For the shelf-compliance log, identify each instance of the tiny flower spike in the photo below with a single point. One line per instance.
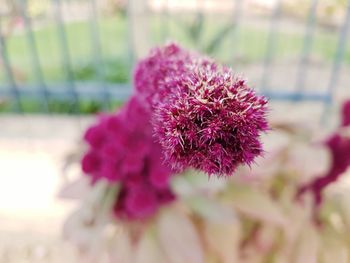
(122, 150)
(211, 120)
(346, 114)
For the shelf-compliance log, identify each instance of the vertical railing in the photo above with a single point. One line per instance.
(130, 38)
(65, 54)
(165, 21)
(271, 46)
(13, 88)
(97, 53)
(44, 92)
(237, 14)
(33, 50)
(338, 59)
(339, 55)
(306, 50)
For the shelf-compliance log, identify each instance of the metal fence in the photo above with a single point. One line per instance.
(42, 90)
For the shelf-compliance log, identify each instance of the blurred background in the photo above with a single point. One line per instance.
(63, 60)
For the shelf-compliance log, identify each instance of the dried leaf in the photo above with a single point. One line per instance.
(256, 204)
(120, 248)
(148, 250)
(211, 210)
(85, 225)
(308, 161)
(223, 239)
(81, 229)
(334, 251)
(179, 239)
(307, 246)
(77, 189)
(193, 183)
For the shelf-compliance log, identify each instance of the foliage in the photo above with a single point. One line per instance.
(252, 217)
(59, 106)
(195, 31)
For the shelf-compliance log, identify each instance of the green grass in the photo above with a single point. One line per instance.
(59, 106)
(249, 44)
(112, 32)
(247, 47)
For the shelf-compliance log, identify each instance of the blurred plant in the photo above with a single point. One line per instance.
(203, 115)
(59, 106)
(254, 216)
(12, 20)
(195, 33)
(36, 8)
(329, 13)
(122, 151)
(116, 71)
(338, 145)
(114, 6)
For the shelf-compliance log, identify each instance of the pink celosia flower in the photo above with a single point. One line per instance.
(122, 149)
(151, 72)
(141, 202)
(211, 121)
(204, 116)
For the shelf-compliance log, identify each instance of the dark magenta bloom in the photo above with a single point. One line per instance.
(339, 147)
(203, 116)
(122, 150)
(211, 120)
(141, 202)
(346, 114)
(151, 73)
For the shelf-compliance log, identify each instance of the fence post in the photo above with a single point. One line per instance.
(139, 28)
(341, 46)
(9, 73)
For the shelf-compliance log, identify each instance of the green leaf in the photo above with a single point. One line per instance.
(196, 28)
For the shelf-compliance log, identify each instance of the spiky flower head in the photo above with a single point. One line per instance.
(122, 150)
(211, 120)
(152, 72)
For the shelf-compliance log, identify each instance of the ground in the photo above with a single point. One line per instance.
(32, 150)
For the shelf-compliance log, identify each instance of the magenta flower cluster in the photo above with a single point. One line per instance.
(187, 112)
(122, 150)
(339, 147)
(206, 117)
(152, 73)
(346, 114)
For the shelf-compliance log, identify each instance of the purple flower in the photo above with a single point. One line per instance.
(152, 72)
(211, 120)
(346, 114)
(141, 202)
(339, 147)
(122, 150)
(203, 116)
(90, 163)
